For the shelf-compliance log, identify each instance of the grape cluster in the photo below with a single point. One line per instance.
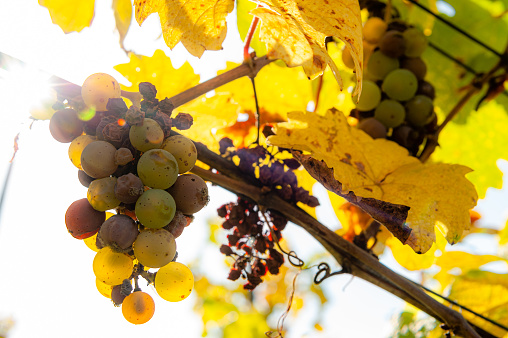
(253, 241)
(253, 231)
(396, 101)
(130, 163)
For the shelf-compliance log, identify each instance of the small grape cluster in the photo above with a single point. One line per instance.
(254, 231)
(253, 240)
(130, 164)
(396, 101)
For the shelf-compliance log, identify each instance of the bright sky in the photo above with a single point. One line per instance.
(47, 285)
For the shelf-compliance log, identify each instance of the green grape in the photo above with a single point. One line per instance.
(184, 151)
(101, 194)
(390, 113)
(416, 42)
(370, 97)
(111, 267)
(419, 110)
(98, 159)
(380, 65)
(158, 168)
(147, 136)
(374, 29)
(98, 89)
(76, 148)
(155, 208)
(372, 127)
(392, 44)
(154, 248)
(400, 85)
(174, 282)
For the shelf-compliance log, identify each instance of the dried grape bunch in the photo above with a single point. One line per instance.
(252, 241)
(254, 232)
(131, 165)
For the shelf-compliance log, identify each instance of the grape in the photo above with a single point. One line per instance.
(347, 58)
(380, 65)
(371, 95)
(103, 288)
(177, 225)
(184, 151)
(111, 267)
(116, 295)
(419, 110)
(393, 44)
(147, 136)
(123, 156)
(400, 85)
(98, 89)
(128, 188)
(119, 232)
(390, 113)
(138, 307)
(157, 168)
(174, 282)
(190, 193)
(154, 247)
(415, 65)
(416, 42)
(406, 137)
(373, 127)
(84, 179)
(155, 208)
(98, 159)
(82, 220)
(91, 243)
(65, 125)
(374, 29)
(76, 148)
(427, 89)
(101, 194)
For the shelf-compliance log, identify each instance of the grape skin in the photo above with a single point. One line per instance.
(158, 168)
(101, 194)
(154, 248)
(174, 282)
(370, 98)
(98, 88)
(390, 113)
(82, 220)
(138, 307)
(400, 84)
(155, 208)
(112, 268)
(190, 193)
(147, 136)
(98, 159)
(184, 151)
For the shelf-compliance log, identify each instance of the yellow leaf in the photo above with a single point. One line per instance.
(199, 24)
(159, 71)
(437, 194)
(71, 17)
(295, 32)
(123, 16)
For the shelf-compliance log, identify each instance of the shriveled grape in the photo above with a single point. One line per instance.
(177, 225)
(154, 248)
(128, 188)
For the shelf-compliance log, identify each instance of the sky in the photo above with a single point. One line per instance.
(47, 285)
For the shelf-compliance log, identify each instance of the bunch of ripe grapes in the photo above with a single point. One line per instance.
(131, 165)
(396, 101)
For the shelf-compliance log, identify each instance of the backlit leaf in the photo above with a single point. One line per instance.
(159, 71)
(295, 32)
(199, 24)
(437, 194)
(244, 20)
(70, 17)
(123, 16)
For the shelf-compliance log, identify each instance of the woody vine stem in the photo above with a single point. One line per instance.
(358, 262)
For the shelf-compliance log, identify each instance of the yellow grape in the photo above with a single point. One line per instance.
(147, 136)
(98, 89)
(98, 159)
(374, 29)
(154, 247)
(174, 282)
(76, 148)
(112, 268)
(103, 288)
(138, 307)
(101, 194)
(184, 151)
